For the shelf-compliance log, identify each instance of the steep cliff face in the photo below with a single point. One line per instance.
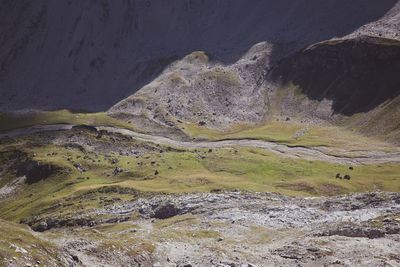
(91, 54)
(352, 81)
(355, 75)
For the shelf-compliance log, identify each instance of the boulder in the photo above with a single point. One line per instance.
(117, 170)
(165, 211)
(40, 227)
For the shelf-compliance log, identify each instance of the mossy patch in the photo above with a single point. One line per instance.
(11, 121)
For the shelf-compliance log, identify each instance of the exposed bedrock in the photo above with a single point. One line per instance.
(353, 81)
(357, 75)
(336, 80)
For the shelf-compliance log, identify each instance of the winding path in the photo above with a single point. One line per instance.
(307, 153)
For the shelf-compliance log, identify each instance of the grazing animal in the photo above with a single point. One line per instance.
(347, 177)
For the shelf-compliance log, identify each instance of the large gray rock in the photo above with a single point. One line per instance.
(165, 211)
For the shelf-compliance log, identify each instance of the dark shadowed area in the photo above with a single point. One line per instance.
(356, 74)
(90, 54)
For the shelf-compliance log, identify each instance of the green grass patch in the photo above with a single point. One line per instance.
(293, 134)
(11, 121)
(241, 168)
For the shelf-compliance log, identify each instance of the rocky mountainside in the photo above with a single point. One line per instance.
(89, 55)
(350, 81)
(336, 80)
(200, 133)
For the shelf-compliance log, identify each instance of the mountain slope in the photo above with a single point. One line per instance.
(352, 82)
(91, 54)
(199, 91)
(336, 80)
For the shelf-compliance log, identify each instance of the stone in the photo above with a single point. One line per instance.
(117, 170)
(41, 227)
(114, 161)
(351, 231)
(77, 165)
(165, 211)
(228, 263)
(75, 258)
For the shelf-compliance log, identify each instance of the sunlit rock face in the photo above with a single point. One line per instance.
(89, 55)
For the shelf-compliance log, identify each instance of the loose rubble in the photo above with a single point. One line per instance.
(253, 229)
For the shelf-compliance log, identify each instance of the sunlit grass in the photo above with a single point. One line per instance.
(223, 169)
(11, 121)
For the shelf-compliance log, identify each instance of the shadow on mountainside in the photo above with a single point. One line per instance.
(357, 74)
(91, 54)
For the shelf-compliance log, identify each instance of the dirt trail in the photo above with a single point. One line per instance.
(373, 157)
(307, 153)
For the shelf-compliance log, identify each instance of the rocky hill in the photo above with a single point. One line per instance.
(350, 81)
